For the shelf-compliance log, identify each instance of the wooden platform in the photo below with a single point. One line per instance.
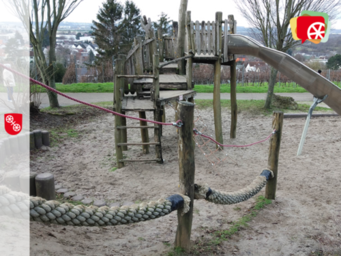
(174, 95)
(133, 103)
(167, 81)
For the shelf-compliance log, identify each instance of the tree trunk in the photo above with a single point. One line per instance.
(53, 97)
(272, 83)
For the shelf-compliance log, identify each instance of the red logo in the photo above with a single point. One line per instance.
(310, 27)
(13, 123)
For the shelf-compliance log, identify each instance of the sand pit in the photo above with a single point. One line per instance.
(304, 219)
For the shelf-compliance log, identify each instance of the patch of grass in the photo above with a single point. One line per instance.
(60, 198)
(113, 169)
(255, 88)
(224, 88)
(83, 87)
(205, 247)
(72, 133)
(166, 243)
(237, 209)
(253, 106)
(176, 251)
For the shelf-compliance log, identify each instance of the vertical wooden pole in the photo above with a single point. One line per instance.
(233, 87)
(144, 132)
(124, 87)
(157, 107)
(176, 117)
(118, 108)
(233, 100)
(186, 173)
(159, 33)
(216, 91)
(189, 64)
(181, 36)
(275, 143)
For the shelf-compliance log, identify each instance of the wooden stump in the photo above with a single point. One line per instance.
(38, 139)
(275, 143)
(32, 144)
(186, 173)
(33, 191)
(46, 138)
(45, 186)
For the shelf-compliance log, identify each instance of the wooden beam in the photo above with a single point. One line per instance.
(275, 143)
(189, 64)
(118, 108)
(181, 35)
(233, 96)
(216, 103)
(186, 173)
(159, 33)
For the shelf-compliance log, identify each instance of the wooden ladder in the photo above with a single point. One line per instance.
(121, 128)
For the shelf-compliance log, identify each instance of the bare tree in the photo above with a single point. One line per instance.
(270, 20)
(45, 15)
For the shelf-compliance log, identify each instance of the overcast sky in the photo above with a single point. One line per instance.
(201, 10)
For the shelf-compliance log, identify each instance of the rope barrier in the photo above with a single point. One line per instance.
(16, 204)
(218, 197)
(177, 123)
(196, 132)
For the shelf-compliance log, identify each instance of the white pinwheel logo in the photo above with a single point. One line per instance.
(316, 30)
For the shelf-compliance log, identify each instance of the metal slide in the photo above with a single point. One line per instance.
(309, 79)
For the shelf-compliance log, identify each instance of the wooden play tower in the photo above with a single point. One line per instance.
(159, 70)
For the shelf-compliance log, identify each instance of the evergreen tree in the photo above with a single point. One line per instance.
(78, 36)
(115, 29)
(164, 23)
(131, 24)
(334, 62)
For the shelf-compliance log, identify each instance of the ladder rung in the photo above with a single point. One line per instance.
(137, 127)
(138, 144)
(141, 160)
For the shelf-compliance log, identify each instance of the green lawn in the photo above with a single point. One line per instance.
(247, 88)
(254, 106)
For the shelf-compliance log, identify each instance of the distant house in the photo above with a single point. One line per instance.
(86, 38)
(254, 66)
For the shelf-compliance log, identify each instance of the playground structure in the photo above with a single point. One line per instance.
(207, 46)
(155, 83)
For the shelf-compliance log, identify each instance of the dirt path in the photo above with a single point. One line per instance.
(305, 218)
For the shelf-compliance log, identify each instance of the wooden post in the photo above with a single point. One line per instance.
(216, 91)
(32, 144)
(181, 36)
(118, 108)
(275, 143)
(124, 87)
(189, 64)
(176, 115)
(157, 107)
(160, 38)
(46, 138)
(186, 173)
(45, 186)
(233, 87)
(144, 132)
(38, 139)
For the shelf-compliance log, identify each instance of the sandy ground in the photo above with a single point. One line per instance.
(305, 217)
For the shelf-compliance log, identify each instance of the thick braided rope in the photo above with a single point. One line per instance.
(218, 197)
(13, 203)
(17, 204)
